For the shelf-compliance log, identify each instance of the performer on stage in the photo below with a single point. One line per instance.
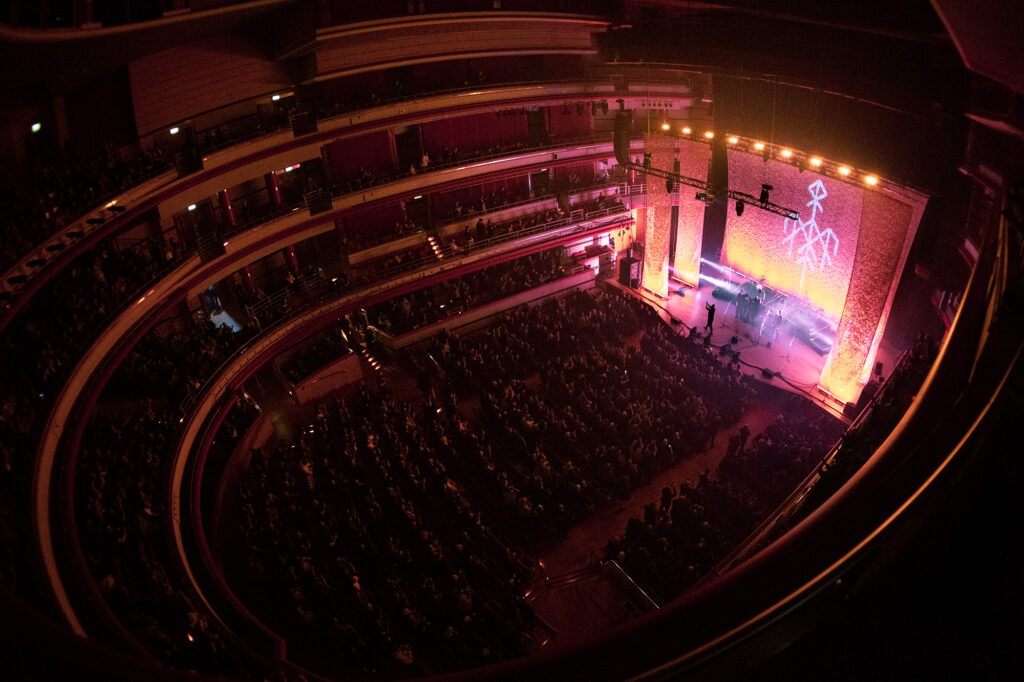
(710, 307)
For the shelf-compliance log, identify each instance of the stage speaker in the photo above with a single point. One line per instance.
(188, 161)
(629, 272)
(723, 294)
(623, 124)
(302, 122)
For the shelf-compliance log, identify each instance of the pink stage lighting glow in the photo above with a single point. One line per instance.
(843, 254)
(811, 258)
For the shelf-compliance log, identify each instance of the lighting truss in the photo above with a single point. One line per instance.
(712, 191)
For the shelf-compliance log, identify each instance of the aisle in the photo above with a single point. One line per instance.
(585, 543)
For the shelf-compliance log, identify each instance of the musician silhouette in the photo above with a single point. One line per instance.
(710, 307)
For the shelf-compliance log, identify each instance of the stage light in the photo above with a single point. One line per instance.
(814, 161)
(870, 180)
(759, 146)
(687, 130)
(740, 205)
(665, 125)
(765, 188)
(710, 134)
(733, 139)
(844, 170)
(785, 153)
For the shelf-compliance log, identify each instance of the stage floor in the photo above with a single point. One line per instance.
(786, 362)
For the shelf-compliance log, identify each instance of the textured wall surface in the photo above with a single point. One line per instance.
(843, 256)
(659, 215)
(694, 158)
(887, 228)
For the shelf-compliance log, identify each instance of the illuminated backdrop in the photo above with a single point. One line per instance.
(810, 258)
(694, 158)
(659, 215)
(843, 255)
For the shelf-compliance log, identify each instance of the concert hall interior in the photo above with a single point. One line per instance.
(511, 340)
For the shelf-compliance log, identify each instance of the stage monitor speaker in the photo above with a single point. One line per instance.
(623, 124)
(819, 345)
(629, 272)
(188, 161)
(723, 294)
(302, 122)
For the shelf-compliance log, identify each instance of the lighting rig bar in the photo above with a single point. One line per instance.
(710, 192)
(705, 191)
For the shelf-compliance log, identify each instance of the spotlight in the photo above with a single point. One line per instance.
(870, 180)
(785, 153)
(710, 134)
(759, 146)
(765, 188)
(740, 205)
(844, 170)
(733, 139)
(665, 125)
(701, 196)
(687, 130)
(814, 161)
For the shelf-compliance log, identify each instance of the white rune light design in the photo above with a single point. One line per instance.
(811, 236)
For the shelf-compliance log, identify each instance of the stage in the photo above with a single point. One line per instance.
(788, 358)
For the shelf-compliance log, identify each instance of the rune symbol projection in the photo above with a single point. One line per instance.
(814, 246)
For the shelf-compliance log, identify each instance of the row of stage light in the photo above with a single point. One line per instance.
(781, 153)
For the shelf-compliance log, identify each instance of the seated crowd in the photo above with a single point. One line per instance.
(432, 304)
(385, 531)
(581, 400)
(482, 230)
(692, 528)
(120, 487)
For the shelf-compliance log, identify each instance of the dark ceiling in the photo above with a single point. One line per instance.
(986, 33)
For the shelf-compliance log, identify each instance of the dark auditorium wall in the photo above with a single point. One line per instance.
(175, 84)
(472, 132)
(100, 115)
(371, 152)
(574, 120)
